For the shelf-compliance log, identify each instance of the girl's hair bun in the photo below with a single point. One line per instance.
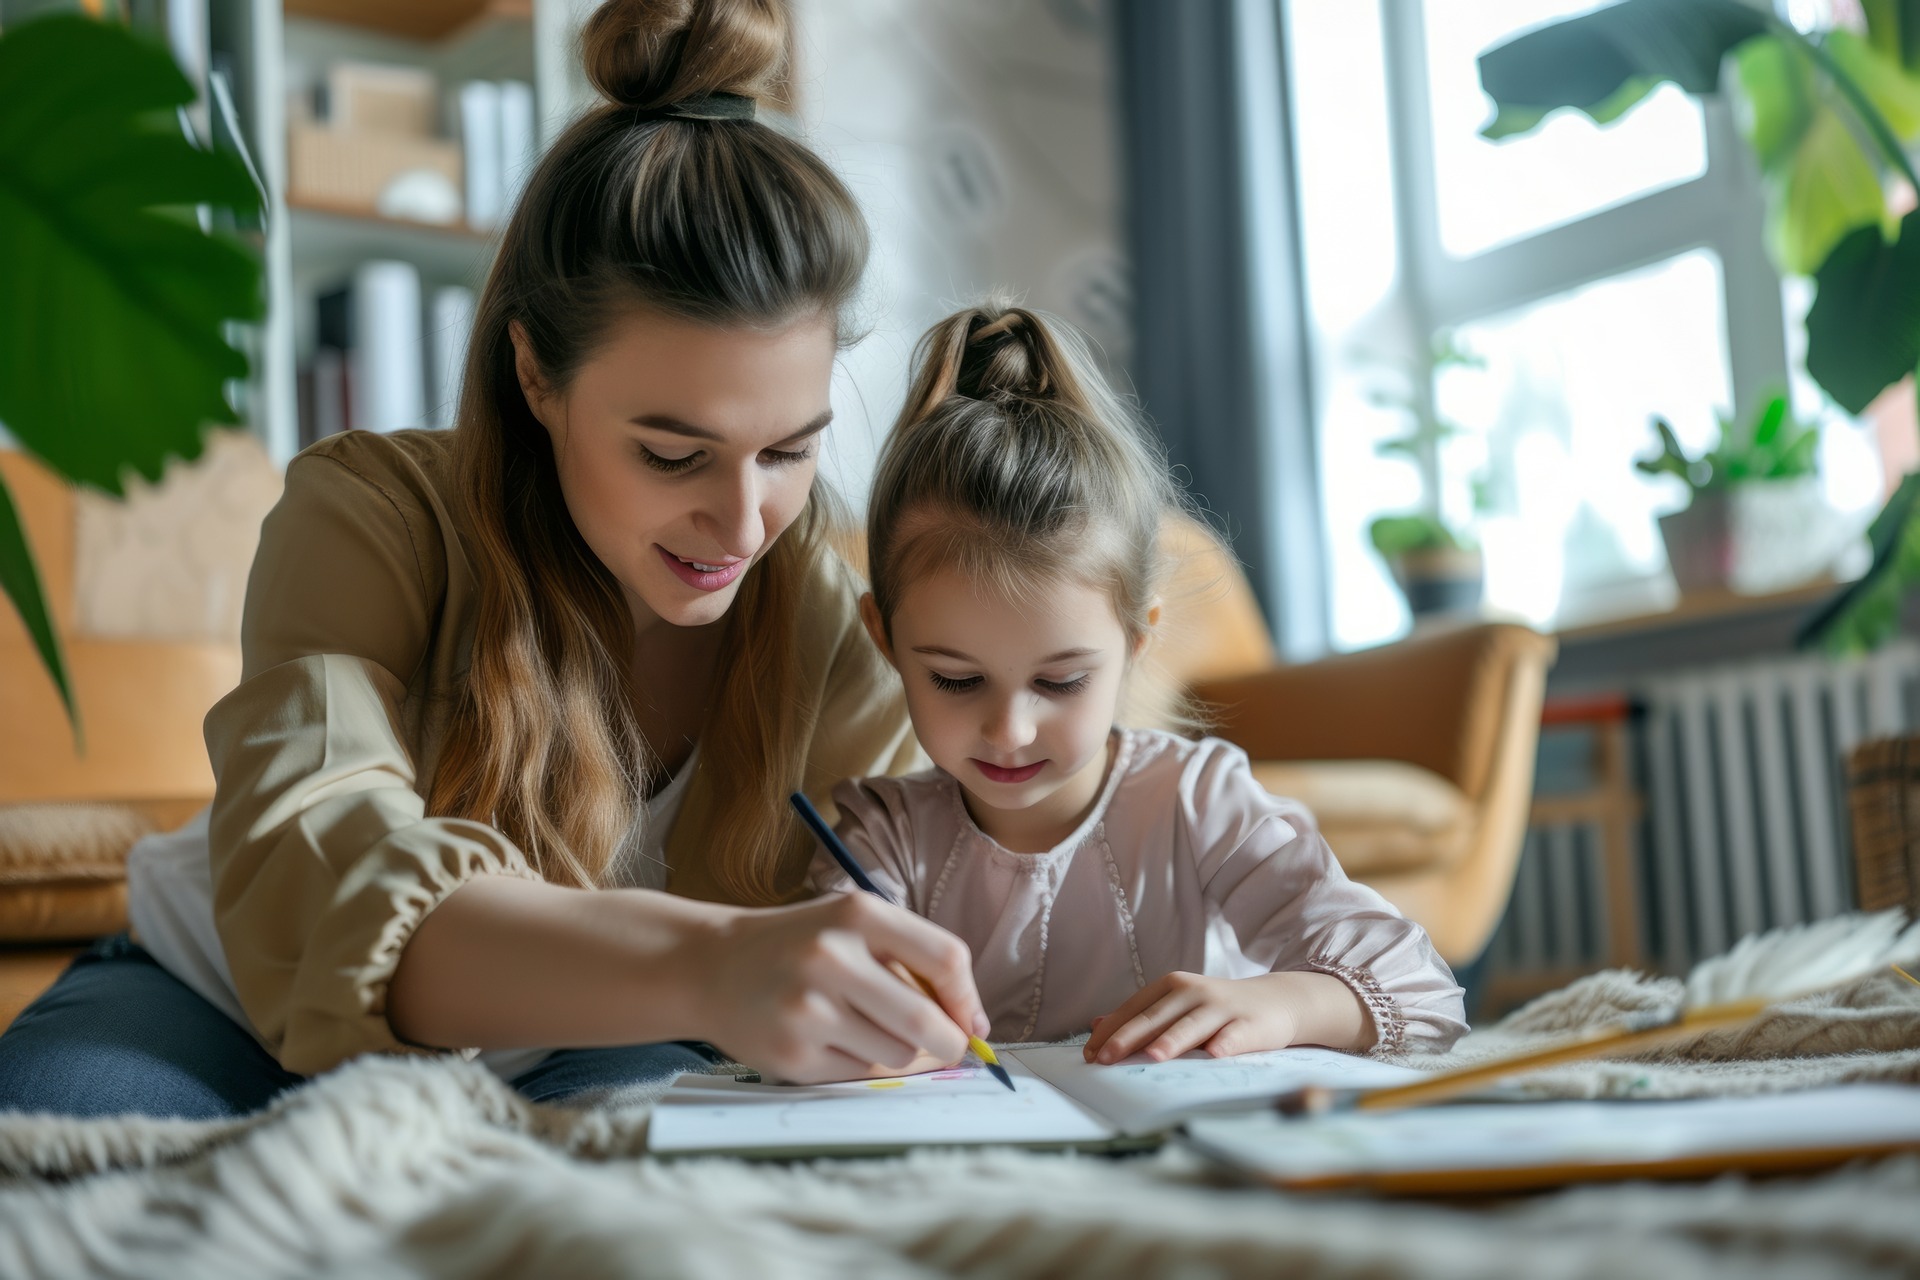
(1007, 356)
(651, 53)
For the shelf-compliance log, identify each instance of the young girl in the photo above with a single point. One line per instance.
(1131, 882)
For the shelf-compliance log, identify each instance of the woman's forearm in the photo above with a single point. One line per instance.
(806, 991)
(508, 963)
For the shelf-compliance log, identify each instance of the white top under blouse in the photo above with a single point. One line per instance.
(170, 905)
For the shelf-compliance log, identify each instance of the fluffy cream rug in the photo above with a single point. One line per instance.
(430, 1168)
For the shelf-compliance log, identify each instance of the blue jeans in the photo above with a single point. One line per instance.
(117, 1034)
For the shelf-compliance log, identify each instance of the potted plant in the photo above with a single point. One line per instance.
(1753, 521)
(1829, 114)
(116, 301)
(1438, 571)
(1437, 564)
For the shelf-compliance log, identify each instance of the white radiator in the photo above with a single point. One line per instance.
(1742, 768)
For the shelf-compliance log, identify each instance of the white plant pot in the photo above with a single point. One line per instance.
(1754, 538)
(1784, 534)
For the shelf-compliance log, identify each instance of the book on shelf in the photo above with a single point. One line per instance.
(389, 374)
(326, 396)
(387, 356)
(519, 141)
(480, 144)
(449, 324)
(499, 138)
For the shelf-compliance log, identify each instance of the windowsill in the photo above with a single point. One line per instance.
(1703, 606)
(1706, 629)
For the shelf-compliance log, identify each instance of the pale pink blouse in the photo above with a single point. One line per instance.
(1185, 863)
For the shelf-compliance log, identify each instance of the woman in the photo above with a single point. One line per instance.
(506, 685)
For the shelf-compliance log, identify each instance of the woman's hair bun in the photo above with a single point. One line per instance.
(650, 53)
(1007, 356)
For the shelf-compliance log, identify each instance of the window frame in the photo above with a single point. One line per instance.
(1722, 210)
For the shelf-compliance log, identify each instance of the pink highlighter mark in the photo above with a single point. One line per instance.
(963, 1073)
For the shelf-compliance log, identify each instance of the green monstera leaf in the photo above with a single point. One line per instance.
(1866, 614)
(114, 301)
(1823, 176)
(1893, 27)
(1863, 332)
(1604, 62)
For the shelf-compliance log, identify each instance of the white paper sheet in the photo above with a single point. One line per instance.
(1526, 1135)
(962, 1106)
(1142, 1096)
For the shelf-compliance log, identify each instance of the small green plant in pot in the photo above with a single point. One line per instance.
(1438, 570)
(1755, 519)
(1436, 564)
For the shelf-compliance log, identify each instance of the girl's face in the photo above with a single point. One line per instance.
(684, 451)
(1015, 699)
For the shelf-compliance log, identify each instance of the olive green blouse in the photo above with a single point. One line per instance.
(358, 628)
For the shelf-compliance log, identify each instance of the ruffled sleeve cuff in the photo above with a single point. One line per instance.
(1389, 1024)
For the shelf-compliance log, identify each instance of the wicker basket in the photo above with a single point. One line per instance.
(1883, 794)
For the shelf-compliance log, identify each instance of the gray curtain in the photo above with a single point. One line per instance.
(1220, 358)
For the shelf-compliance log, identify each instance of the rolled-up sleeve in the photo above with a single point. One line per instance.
(323, 858)
(1268, 874)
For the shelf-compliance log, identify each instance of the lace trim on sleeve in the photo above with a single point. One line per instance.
(1390, 1027)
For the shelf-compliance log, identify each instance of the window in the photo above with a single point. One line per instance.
(1599, 276)
(1567, 388)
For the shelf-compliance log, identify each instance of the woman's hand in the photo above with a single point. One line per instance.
(1224, 1016)
(804, 992)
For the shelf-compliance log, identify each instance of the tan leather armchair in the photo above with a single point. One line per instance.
(1416, 757)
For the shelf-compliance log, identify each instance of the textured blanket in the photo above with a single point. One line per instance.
(420, 1167)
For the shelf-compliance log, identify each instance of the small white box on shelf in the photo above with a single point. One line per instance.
(379, 97)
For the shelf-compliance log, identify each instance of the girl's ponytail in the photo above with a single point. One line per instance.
(1000, 353)
(1015, 462)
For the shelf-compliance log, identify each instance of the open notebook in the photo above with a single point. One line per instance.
(1058, 1101)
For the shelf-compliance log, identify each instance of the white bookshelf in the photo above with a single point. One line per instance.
(275, 50)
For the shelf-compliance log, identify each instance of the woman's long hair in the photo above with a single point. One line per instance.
(719, 221)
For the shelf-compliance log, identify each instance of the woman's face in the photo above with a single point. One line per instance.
(685, 450)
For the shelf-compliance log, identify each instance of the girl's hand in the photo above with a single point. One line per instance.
(804, 993)
(1224, 1016)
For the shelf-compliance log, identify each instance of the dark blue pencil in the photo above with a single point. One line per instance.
(818, 825)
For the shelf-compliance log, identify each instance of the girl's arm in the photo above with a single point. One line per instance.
(802, 992)
(1346, 970)
(1184, 1011)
